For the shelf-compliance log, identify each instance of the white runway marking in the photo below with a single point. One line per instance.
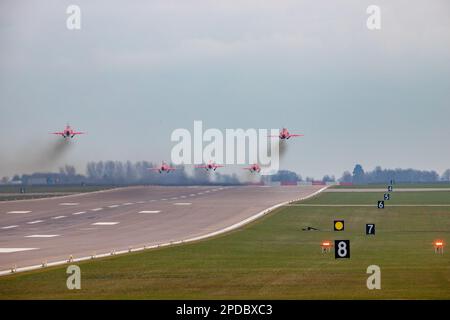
(113, 206)
(140, 202)
(9, 227)
(174, 198)
(153, 200)
(150, 211)
(163, 199)
(20, 211)
(42, 236)
(127, 203)
(192, 195)
(77, 213)
(58, 217)
(104, 223)
(34, 222)
(69, 204)
(207, 191)
(182, 197)
(97, 209)
(200, 193)
(10, 250)
(182, 203)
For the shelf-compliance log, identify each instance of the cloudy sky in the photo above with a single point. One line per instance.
(137, 70)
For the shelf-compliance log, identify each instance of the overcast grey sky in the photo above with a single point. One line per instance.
(137, 70)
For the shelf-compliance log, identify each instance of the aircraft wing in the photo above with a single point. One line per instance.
(75, 133)
(60, 133)
(201, 166)
(296, 135)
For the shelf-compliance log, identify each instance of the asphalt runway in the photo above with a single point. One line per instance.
(52, 229)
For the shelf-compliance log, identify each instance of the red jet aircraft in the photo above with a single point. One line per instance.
(253, 168)
(68, 132)
(210, 166)
(163, 168)
(284, 134)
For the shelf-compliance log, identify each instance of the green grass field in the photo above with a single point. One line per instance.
(274, 259)
(400, 185)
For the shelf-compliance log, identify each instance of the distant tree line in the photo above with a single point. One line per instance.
(125, 173)
(379, 175)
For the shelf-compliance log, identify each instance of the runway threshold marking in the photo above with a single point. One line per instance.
(69, 204)
(11, 250)
(34, 222)
(9, 227)
(20, 211)
(42, 236)
(104, 223)
(150, 211)
(77, 213)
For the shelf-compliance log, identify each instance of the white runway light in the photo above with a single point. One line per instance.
(19, 211)
(11, 250)
(104, 223)
(42, 236)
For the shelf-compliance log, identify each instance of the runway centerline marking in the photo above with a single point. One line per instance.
(36, 221)
(182, 203)
(20, 211)
(42, 236)
(163, 199)
(69, 204)
(127, 203)
(58, 217)
(97, 209)
(113, 206)
(77, 213)
(140, 202)
(150, 211)
(104, 223)
(9, 227)
(11, 250)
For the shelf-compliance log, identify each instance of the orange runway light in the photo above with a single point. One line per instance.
(439, 246)
(326, 246)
